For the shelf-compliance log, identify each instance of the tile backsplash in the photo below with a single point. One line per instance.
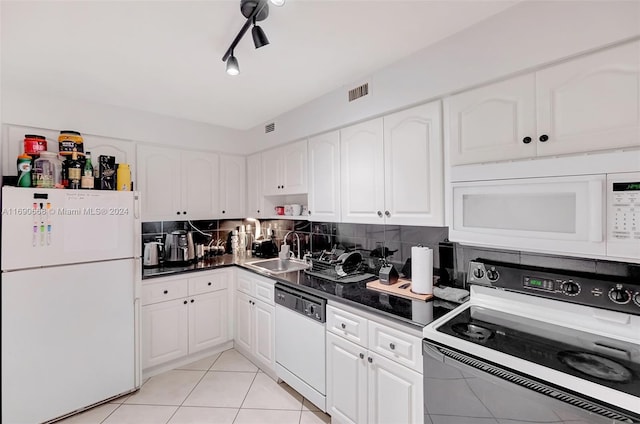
(316, 236)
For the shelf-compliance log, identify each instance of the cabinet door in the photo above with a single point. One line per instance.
(491, 123)
(362, 173)
(255, 201)
(347, 381)
(294, 168)
(272, 172)
(200, 195)
(232, 187)
(324, 177)
(264, 321)
(395, 393)
(207, 320)
(159, 181)
(244, 322)
(591, 103)
(164, 332)
(414, 186)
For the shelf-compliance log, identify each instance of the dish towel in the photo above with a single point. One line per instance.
(451, 294)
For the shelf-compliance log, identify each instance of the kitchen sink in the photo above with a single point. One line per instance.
(279, 266)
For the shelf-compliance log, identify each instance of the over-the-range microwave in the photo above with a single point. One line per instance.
(573, 212)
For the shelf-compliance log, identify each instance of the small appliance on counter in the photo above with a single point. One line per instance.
(179, 247)
(264, 248)
(152, 254)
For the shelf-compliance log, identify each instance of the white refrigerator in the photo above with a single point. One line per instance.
(70, 300)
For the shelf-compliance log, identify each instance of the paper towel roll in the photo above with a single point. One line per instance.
(421, 270)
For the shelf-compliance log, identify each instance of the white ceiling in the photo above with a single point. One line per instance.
(165, 56)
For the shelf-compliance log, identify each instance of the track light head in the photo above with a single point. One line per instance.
(232, 65)
(259, 37)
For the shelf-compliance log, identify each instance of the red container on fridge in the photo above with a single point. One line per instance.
(34, 144)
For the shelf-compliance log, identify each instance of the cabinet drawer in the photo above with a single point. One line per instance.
(208, 283)
(245, 284)
(347, 325)
(163, 291)
(396, 345)
(264, 291)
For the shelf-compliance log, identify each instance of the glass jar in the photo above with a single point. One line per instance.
(47, 170)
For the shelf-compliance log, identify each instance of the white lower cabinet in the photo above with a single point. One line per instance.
(255, 318)
(183, 316)
(364, 386)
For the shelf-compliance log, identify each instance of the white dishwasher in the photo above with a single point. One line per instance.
(300, 342)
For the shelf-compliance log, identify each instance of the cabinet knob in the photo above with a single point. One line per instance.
(392, 346)
(526, 140)
(343, 325)
(370, 359)
(258, 211)
(185, 302)
(224, 211)
(387, 214)
(380, 214)
(166, 291)
(184, 212)
(178, 213)
(544, 138)
(192, 300)
(362, 356)
(209, 283)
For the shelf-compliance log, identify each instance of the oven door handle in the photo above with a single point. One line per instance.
(507, 379)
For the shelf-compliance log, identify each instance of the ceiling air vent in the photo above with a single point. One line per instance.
(270, 127)
(359, 91)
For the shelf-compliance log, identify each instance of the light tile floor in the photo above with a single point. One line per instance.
(225, 388)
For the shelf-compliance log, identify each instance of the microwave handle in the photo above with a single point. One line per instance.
(596, 208)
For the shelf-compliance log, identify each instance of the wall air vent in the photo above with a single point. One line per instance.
(270, 127)
(359, 91)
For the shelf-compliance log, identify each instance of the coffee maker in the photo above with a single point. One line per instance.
(179, 247)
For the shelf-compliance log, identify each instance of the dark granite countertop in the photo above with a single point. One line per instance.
(416, 313)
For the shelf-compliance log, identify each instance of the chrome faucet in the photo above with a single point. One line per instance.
(284, 241)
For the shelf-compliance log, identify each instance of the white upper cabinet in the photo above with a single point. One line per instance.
(255, 201)
(284, 169)
(392, 169)
(587, 104)
(177, 184)
(413, 168)
(362, 172)
(232, 186)
(492, 123)
(591, 103)
(324, 177)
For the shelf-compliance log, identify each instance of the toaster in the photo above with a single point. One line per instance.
(265, 248)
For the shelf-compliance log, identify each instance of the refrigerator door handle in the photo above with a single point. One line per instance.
(136, 205)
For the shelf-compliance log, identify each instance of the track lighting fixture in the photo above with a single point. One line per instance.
(253, 10)
(232, 65)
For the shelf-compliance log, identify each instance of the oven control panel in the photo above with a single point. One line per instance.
(585, 289)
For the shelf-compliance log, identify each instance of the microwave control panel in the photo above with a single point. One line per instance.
(623, 215)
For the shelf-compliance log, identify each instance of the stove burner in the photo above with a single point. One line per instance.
(472, 331)
(595, 366)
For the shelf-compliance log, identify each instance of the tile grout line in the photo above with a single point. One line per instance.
(245, 397)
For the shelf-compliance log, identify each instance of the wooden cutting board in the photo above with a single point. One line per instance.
(396, 290)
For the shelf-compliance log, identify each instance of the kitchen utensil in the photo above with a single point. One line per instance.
(404, 286)
(179, 247)
(152, 254)
(279, 210)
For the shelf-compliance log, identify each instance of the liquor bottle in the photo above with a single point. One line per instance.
(74, 170)
(87, 173)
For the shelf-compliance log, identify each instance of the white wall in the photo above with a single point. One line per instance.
(521, 38)
(35, 110)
